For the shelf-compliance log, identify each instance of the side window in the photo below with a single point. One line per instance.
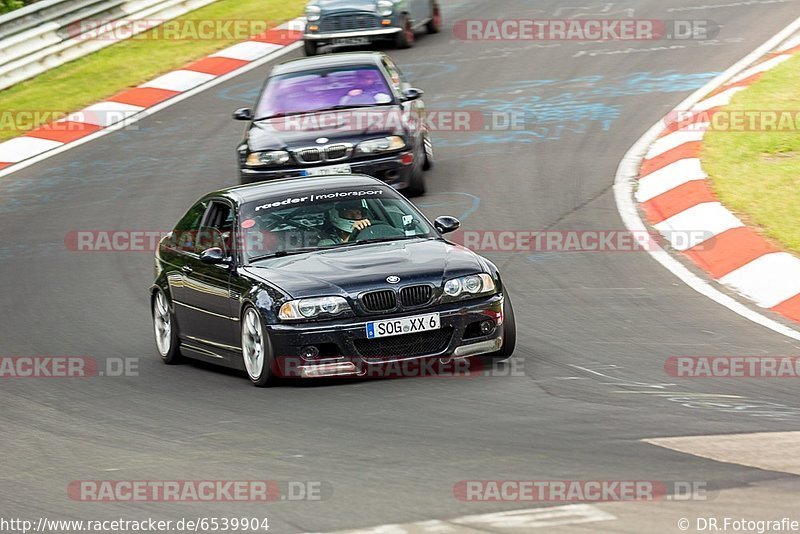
(185, 233)
(217, 227)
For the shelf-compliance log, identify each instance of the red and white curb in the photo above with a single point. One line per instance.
(663, 175)
(134, 104)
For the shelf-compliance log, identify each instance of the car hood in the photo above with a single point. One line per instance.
(353, 270)
(345, 125)
(348, 5)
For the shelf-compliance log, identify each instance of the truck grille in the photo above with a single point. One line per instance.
(350, 22)
(413, 296)
(405, 345)
(379, 301)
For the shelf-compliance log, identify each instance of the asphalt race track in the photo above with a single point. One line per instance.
(594, 329)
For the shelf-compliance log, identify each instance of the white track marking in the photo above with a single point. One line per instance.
(515, 521)
(756, 280)
(721, 99)
(669, 177)
(104, 113)
(761, 67)
(247, 51)
(179, 80)
(676, 139)
(710, 218)
(20, 148)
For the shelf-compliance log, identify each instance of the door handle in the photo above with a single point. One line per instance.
(187, 269)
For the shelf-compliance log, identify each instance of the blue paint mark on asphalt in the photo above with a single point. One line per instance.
(579, 104)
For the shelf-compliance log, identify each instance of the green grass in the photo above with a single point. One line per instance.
(757, 174)
(129, 63)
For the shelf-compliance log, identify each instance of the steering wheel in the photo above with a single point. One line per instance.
(377, 230)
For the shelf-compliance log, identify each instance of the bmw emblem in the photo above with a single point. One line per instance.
(393, 279)
(322, 140)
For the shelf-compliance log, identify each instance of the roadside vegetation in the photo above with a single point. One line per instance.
(129, 63)
(756, 174)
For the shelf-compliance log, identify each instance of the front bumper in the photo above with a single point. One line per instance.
(380, 33)
(390, 169)
(342, 342)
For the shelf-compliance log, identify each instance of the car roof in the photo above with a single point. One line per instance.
(313, 184)
(328, 60)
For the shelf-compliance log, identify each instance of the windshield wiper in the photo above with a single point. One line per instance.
(290, 252)
(383, 240)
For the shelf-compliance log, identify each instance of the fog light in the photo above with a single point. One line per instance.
(310, 352)
(386, 22)
(487, 327)
(313, 27)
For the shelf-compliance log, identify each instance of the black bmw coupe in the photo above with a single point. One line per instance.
(322, 276)
(337, 114)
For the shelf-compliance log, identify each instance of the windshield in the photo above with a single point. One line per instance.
(304, 92)
(328, 219)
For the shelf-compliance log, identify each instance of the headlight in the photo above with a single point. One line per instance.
(313, 12)
(474, 284)
(384, 144)
(385, 7)
(262, 159)
(312, 308)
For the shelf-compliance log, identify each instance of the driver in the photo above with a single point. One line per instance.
(347, 218)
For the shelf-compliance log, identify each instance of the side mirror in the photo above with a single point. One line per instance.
(243, 114)
(412, 93)
(213, 256)
(446, 224)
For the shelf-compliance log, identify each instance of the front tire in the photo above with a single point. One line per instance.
(435, 24)
(165, 329)
(405, 38)
(256, 349)
(509, 334)
(310, 48)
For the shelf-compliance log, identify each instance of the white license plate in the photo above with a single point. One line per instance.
(333, 169)
(404, 325)
(351, 41)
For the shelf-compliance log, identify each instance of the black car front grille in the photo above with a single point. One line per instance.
(413, 296)
(405, 345)
(309, 155)
(334, 152)
(379, 301)
(344, 23)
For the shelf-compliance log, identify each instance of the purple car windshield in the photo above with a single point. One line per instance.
(324, 89)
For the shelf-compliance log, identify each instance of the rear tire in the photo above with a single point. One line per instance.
(310, 48)
(435, 24)
(165, 329)
(509, 334)
(405, 38)
(256, 349)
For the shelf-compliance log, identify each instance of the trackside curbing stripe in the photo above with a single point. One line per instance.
(765, 291)
(136, 103)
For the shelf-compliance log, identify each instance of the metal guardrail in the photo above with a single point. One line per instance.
(46, 34)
